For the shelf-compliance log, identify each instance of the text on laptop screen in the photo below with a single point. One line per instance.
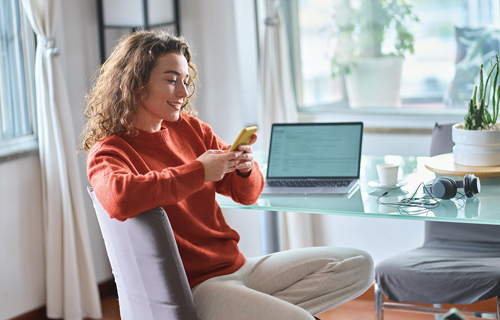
(315, 151)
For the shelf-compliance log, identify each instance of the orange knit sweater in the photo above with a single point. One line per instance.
(130, 175)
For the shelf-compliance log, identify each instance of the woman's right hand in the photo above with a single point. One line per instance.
(217, 163)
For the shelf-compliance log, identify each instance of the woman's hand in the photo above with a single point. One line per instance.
(217, 163)
(245, 163)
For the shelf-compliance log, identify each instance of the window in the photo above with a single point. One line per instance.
(450, 40)
(17, 43)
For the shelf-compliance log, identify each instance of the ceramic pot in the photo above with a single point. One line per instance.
(375, 82)
(476, 147)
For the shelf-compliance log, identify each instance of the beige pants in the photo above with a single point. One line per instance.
(288, 285)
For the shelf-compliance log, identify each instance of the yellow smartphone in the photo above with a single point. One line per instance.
(243, 138)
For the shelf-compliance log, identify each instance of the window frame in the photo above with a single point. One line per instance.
(15, 147)
(379, 117)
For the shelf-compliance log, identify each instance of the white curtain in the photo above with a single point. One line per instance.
(278, 105)
(278, 102)
(71, 287)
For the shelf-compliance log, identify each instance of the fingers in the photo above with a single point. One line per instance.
(226, 155)
(228, 160)
(245, 148)
(232, 165)
(217, 163)
(244, 166)
(253, 140)
(245, 162)
(245, 157)
(216, 151)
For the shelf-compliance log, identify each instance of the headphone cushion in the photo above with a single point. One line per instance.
(471, 185)
(467, 185)
(444, 188)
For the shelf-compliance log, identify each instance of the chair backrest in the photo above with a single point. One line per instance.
(441, 141)
(148, 271)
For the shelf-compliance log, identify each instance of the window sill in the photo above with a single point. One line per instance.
(15, 148)
(386, 120)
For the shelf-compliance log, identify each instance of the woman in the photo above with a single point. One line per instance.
(146, 149)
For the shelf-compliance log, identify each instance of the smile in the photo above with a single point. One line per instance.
(177, 105)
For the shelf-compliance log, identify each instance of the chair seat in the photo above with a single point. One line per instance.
(442, 273)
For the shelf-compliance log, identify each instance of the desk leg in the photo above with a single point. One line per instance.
(269, 232)
(437, 316)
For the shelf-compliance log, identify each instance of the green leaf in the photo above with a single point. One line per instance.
(481, 85)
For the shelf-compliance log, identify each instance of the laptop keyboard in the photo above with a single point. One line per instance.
(310, 183)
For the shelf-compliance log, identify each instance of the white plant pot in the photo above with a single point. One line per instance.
(476, 147)
(375, 82)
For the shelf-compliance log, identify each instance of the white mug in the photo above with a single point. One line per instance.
(387, 174)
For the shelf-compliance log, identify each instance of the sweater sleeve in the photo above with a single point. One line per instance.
(244, 190)
(125, 192)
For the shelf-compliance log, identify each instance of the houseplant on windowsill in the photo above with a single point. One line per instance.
(371, 38)
(477, 140)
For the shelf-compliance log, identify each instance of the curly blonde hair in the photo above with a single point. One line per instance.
(112, 102)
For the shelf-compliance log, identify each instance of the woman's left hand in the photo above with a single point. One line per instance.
(246, 158)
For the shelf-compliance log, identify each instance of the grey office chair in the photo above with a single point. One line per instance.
(148, 271)
(441, 141)
(457, 264)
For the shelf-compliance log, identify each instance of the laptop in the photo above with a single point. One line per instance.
(314, 158)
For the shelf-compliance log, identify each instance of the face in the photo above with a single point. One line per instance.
(165, 92)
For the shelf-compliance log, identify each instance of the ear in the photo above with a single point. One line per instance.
(140, 95)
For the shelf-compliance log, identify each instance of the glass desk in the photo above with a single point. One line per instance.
(362, 201)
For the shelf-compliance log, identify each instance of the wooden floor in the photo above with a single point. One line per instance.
(362, 309)
(357, 309)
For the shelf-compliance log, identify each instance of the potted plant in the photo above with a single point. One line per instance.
(477, 139)
(371, 39)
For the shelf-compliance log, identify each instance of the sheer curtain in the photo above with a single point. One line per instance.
(278, 102)
(278, 105)
(71, 286)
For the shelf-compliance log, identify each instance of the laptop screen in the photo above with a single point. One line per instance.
(315, 150)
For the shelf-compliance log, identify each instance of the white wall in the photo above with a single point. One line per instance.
(227, 99)
(212, 42)
(22, 283)
(225, 55)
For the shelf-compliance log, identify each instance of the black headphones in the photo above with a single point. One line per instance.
(446, 188)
